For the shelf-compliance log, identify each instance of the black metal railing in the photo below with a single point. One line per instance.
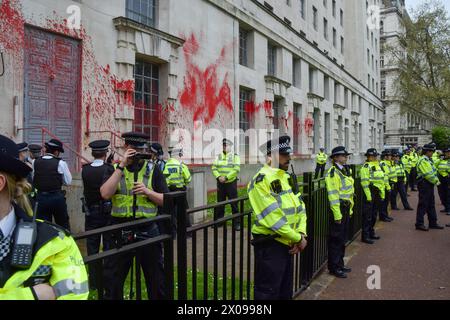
(214, 260)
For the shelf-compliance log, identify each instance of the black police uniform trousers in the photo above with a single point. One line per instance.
(338, 238)
(96, 217)
(319, 168)
(399, 189)
(444, 192)
(385, 202)
(273, 271)
(370, 212)
(150, 259)
(188, 220)
(413, 178)
(426, 203)
(53, 205)
(224, 191)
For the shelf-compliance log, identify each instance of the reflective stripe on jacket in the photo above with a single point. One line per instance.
(227, 165)
(339, 187)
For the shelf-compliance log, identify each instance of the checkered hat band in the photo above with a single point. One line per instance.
(279, 146)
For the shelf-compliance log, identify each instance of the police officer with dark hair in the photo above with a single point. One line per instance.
(136, 176)
(97, 210)
(50, 174)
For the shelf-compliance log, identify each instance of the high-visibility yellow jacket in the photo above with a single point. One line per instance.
(276, 209)
(122, 201)
(321, 158)
(177, 173)
(389, 173)
(414, 159)
(426, 170)
(436, 158)
(227, 165)
(371, 173)
(56, 261)
(407, 163)
(443, 167)
(400, 170)
(340, 186)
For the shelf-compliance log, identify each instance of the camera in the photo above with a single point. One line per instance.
(142, 156)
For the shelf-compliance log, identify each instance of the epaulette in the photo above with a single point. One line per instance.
(58, 228)
(260, 177)
(332, 172)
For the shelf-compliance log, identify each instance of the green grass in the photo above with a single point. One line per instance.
(200, 278)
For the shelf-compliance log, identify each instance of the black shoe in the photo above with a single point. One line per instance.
(436, 226)
(386, 220)
(421, 228)
(346, 269)
(413, 189)
(409, 209)
(448, 213)
(395, 209)
(368, 241)
(443, 210)
(375, 237)
(338, 273)
(448, 225)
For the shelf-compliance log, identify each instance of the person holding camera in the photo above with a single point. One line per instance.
(52, 267)
(97, 211)
(136, 176)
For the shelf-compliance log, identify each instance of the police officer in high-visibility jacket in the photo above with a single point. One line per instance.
(321, 161)
(279, 229)
(57, 270)
(149, 190)
(390, 178)
(413, 175)
(340, 188)
(407, 165)
(374, 185)
(399, 186)
(226, 169)
(177, 174)
(426, 180)
(443, 168)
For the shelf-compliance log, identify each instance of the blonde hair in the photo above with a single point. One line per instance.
(18, 188)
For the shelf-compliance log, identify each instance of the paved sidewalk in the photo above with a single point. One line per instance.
(414, 264)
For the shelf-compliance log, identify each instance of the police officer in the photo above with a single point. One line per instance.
(157, 152)
(426, 180)
(390, 178)
(97, 210)
(279, 229)
(399, 186)
(57, 270)
(50, 174)
(340, 188)
(149, 190)
(374, 185)
(177, 174)
(34, 153)
(443, 167)
(225, 169)
(407, 165)
(413, 175)
(321, 161)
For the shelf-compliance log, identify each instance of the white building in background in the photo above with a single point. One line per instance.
(401, 126)
(309, 68)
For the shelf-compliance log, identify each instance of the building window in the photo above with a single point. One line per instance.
(296, 72)
(334, 37)
(243, 47)
(371, 37)
(277, 113)
(368, 81)
(314, 18)
(376, 44)
(297, 127)
(383, 90)
(143, 11)
(376, 88)
(368, 57)
(381, 61)
(341, 17)
(288, 2)
(271, 59)
(367, 32)
(326, 87)
(146, 110)
(337, 93)
(334, 8)
(245, 98)
(373, 84)
(373, 63)
(302, 8)
(325, 28)
(325, 3)
(312, 79)
(342, 45)
(345, 98)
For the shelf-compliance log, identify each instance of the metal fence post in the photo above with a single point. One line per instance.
(180, 212)
(306, 261)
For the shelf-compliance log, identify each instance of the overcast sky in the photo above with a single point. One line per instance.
(414, 3)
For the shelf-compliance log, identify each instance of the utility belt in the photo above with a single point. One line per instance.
(103, 208)
(124, 237)
(46, 193)
(263, 239)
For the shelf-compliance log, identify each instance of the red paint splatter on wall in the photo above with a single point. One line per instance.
(309, 126)
(11, 25)
(297, 126)
(203, 92)
(124, 90)
(251, 109)
(286, 120)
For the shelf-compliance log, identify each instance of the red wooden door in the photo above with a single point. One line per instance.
(52, 92)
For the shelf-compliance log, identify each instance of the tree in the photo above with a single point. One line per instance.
(423, 58)
(441, 136)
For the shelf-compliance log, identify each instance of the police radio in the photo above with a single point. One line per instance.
(24, 239)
